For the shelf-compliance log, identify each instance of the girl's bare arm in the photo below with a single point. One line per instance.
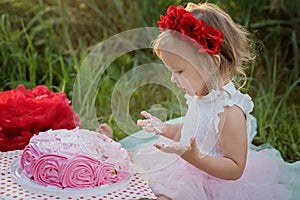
(172, 131)
(233, 140)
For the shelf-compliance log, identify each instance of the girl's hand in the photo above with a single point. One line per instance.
(105, 129)
(151, 123)
(188, 153)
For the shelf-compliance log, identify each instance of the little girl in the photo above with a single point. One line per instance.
(207, 156)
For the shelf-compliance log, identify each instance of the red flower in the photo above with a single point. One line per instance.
(191, 28)
(213, 40)
(26, 112)
(172, 19)
(179, 20)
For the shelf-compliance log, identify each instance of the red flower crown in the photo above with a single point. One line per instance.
(206, 38)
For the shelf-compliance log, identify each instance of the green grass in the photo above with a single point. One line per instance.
(45, 43)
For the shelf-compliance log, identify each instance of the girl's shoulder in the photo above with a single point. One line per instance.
(216, 101)
(235, 97)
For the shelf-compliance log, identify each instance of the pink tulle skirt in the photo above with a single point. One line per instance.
(266, 177)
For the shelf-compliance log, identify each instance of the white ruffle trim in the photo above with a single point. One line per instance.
(243, 101)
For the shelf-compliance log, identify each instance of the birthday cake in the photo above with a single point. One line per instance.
(75, 158)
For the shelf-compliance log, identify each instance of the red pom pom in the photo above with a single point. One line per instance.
(27, 112)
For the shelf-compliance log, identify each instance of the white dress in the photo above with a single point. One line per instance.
(266, 175)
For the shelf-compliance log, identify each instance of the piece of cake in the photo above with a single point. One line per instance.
(75, 158)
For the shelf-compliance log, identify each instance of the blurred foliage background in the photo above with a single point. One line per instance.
(44, 42)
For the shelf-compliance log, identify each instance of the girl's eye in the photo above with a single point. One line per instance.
(179, 72)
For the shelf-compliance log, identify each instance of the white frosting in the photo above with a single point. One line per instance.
(72, 142)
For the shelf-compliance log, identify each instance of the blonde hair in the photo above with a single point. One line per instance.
(236, 53)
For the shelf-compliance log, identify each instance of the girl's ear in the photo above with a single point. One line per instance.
(217, 60)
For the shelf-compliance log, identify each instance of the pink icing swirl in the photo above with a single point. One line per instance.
(28, 158)
(107, 174)
(79, 172)
(47, 169)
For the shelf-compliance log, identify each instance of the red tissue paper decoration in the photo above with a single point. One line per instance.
(25, 112)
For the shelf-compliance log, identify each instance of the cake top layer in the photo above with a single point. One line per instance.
(80, 141)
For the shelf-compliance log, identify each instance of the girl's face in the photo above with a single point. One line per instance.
(184, 74)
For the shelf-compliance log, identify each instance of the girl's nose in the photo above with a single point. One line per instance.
(173, 79)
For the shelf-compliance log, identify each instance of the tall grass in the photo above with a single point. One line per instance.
(44, 42)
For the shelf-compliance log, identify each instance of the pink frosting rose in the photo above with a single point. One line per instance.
(47, 169)
(106, 174)
(79, 172)
(29, 156)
